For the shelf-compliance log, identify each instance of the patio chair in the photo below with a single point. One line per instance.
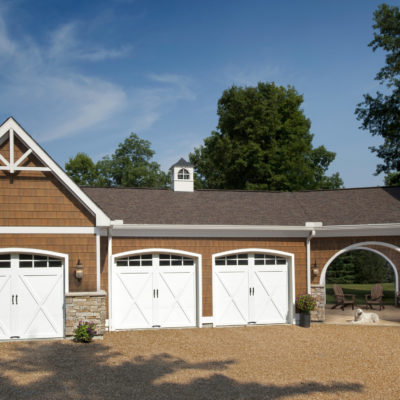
(376, 297)
(342, 299)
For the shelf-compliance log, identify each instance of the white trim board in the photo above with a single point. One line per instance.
(259, 231)
(10, 125)
(55, 230)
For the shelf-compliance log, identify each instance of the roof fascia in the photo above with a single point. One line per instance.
(169, 230)
(161, 230)
(101, 218)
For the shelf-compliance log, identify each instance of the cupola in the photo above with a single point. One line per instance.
(182, 176)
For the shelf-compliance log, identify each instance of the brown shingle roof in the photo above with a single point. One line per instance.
(227, 207)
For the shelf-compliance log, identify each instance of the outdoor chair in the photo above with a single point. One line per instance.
(342, 299)
(376, 297)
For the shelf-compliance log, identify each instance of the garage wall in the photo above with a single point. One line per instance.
(208, 247)
(81, 247)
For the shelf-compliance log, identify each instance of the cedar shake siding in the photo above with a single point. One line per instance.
(81, 247)
(34, 198)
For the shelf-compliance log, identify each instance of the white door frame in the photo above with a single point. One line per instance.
(199, 284)
(63, 256)
(291, 275)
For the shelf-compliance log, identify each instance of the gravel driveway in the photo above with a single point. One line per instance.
(264, 362)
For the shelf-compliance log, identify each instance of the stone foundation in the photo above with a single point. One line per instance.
(85, 306)
(318, 291)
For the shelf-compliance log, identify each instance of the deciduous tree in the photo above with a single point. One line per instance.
(262, 141)
(129, 165)
(380, 113)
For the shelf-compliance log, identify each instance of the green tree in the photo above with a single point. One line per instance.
(342, 269)
(360, 266)
(380, 114)
(82, 170)
(129, 165)
(262, 141)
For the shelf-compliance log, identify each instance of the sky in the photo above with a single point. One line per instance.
(80, 76)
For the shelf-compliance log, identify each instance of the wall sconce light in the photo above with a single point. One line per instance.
(315, 269)
(79, 270)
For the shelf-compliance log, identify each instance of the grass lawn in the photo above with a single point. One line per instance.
(360, 290)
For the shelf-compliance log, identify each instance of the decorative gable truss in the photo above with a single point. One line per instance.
(11, 165)
(13, 160)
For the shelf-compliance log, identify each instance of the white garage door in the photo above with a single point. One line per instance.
(31, 296)
(250, 288)
(153, 290)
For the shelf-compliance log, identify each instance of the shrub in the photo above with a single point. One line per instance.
(85, 332)
(305, 303)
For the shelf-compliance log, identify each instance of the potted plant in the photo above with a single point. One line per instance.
(305, 303)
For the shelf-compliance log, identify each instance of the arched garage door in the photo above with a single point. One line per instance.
(31, 296)
(153, 290)
(251, 288)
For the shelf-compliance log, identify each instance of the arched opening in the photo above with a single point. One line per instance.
(357, 270)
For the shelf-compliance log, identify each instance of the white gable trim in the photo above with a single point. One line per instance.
(14, 128)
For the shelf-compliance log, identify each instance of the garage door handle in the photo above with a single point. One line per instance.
(12, 299)
(16, 299)
(154, 293)
(157, 293)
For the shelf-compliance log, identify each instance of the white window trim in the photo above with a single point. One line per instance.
(291, 274)
(185, 174)
(199, 276)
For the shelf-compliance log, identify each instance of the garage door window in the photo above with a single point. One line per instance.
(267, 259)
(144, 260)
(170, 260)
(237, 259)
(5, 261)
(34, 261)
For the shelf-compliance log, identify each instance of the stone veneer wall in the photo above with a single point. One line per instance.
(318, 291)
(85, 306)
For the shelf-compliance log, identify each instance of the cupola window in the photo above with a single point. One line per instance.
(183, 174)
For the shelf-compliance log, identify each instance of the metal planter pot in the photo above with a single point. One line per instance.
(305, 320)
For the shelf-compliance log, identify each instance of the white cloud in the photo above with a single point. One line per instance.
(64, 45)
(37, 81)
(42, 82)
(150, 104)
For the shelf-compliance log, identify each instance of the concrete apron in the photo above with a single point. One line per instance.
(390, 316)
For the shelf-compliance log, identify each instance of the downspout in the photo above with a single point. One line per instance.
(98, 266)
(109, 271)
(308, 249)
